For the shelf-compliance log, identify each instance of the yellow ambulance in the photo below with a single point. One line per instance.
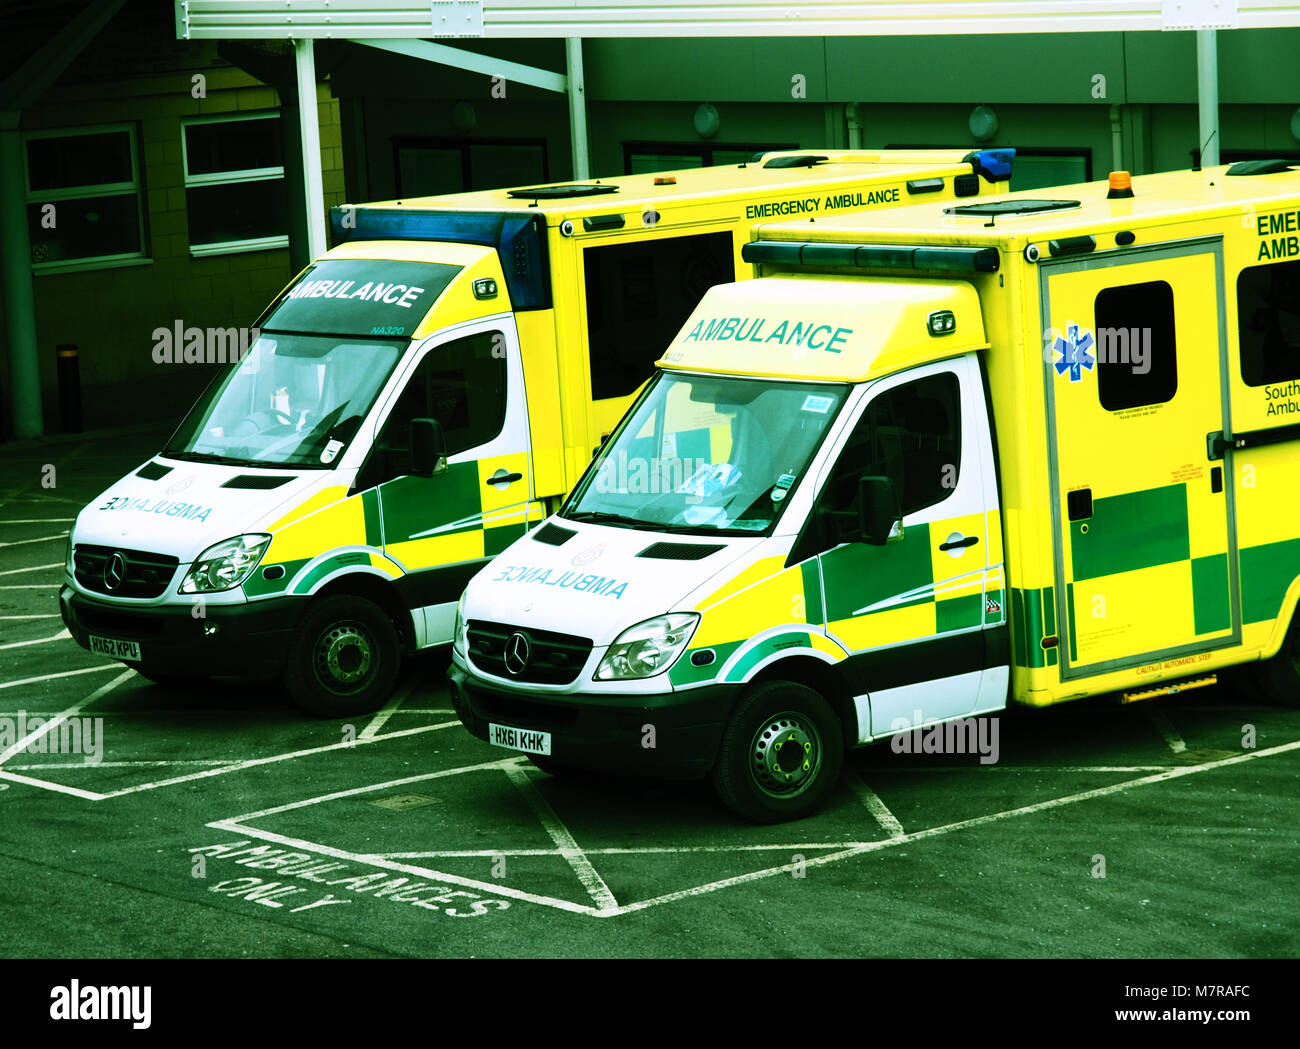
(1022, 449)
(413, 401)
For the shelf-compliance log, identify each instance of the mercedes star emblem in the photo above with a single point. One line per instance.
(517, 653)
(114, 570)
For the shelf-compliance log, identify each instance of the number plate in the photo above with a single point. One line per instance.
(525, 739)
(115, 649)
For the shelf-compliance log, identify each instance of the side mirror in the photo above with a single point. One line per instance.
(428, 448)
(880, 519)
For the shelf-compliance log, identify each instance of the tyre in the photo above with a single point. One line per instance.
(344, 657)
(1278, 679)
(781, 754)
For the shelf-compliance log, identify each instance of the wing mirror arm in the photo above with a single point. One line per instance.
(880, 518)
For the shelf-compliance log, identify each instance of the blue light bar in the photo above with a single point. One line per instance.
(520, 240)
(993, 164)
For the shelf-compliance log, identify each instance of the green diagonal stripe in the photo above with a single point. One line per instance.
(1131, 531)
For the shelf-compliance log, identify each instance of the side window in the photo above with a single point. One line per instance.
(638, 297)
(462, 384)
(1136, 352)
(912, 434)
(1268, 323)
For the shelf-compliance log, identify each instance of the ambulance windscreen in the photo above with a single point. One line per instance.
(360, 297)
(708, 455)
(293, 401)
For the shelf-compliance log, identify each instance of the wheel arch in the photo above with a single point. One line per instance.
(820, 676)
(379, 591)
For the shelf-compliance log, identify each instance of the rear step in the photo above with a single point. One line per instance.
(1169, 690)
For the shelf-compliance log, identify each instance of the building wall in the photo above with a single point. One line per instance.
(110, 312)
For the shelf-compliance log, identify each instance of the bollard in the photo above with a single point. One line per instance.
(69, 388)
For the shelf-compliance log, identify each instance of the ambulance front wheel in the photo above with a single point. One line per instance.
(1279, 677)
(781, 754)
(344, 657)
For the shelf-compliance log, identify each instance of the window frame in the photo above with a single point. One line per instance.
(465, 147)
(703, 150)
(268, 173)
(88, 192)
(1241, 356)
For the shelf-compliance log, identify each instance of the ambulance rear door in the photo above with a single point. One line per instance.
(1135, 372)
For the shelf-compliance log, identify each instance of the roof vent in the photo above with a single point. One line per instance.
(1261, 167)
(998, 208)
(798, 160)
(576, 189)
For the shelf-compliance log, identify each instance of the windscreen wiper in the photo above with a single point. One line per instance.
(603, 517)
(209, 457)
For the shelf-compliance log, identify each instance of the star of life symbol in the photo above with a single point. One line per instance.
(1074, 352)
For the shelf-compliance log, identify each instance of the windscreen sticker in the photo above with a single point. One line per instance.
(817, 403)
(782, 487)
(330, 451)
(361, 297)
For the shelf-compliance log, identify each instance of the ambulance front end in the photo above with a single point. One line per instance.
(701, 600)
(210, 558)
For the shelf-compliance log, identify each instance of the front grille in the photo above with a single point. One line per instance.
(554, 659)
(553, 535)
(144, 574)
(128, 625)
(258, 482)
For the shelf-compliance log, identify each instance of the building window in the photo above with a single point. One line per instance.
(1136, 349)
(83, 198)
(640, 158)
(235, 196)
(430, 167)
(638, 295)
(1268, 323)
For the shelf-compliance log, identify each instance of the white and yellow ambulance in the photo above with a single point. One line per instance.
(1024, 449)
(413, 400)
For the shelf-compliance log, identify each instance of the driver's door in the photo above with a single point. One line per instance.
(442, 529)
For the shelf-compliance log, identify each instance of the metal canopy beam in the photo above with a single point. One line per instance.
(334, 19)
(515, 72)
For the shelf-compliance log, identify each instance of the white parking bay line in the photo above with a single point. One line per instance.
(385, 712)
(52, 615)
(254, 762)
(871, 801)
(18, 746)
(42, 539)
(58, 788)
(564, 841)
(63, 673)
(934, 832)
(38, 520)
(31, 568)
(60, 636)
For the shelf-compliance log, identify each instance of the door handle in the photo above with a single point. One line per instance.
(501, 477)
(955, 544)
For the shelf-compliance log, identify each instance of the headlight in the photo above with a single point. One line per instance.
(458, 631)
(648, 648)
(225, 565)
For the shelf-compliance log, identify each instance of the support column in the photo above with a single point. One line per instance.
(1207, 94)
(16, 280)
(309, 121)
(577, 109)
